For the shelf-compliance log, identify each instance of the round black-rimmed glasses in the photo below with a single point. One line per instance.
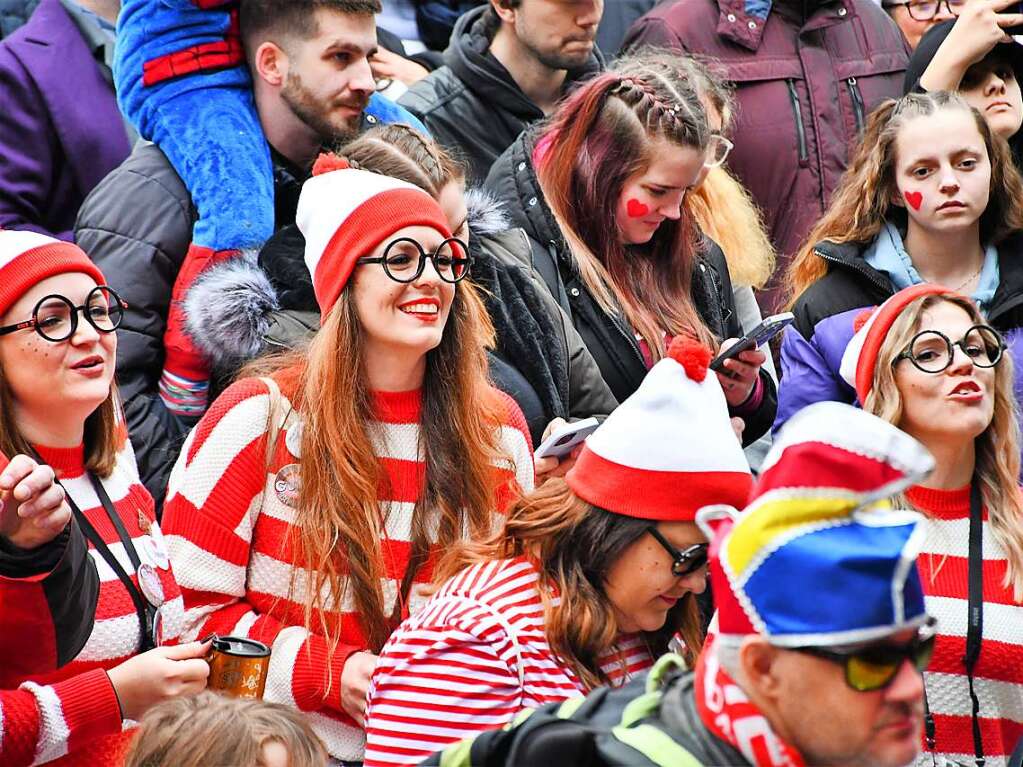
(932, 351)
(682, 562)
(55, 317)
(404, 260)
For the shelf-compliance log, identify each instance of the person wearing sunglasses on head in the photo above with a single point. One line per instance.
(927, 361)
(592, 577)
(820, 638)
(312, 498)
(87, 594)
(600, 189)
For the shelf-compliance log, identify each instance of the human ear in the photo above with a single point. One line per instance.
(271, 64)
(504, 13)
(760, 666)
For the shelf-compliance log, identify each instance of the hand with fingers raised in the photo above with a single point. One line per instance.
(979, 27)
(33, 510)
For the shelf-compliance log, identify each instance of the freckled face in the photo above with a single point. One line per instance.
(640, 584)
(72, 376)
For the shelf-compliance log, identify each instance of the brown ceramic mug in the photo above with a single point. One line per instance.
(238, 666)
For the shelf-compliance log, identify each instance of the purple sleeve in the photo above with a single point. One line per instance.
(28, 151)
(809, 369)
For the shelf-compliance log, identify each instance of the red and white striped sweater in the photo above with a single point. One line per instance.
(471, 659)
(998, 679)
(227, 531)
(70, 710)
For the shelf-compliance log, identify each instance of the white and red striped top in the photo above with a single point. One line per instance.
(998, 679)
(473, 657)
(78, 721)
(229, 533)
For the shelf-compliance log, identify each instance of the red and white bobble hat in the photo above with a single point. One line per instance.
(859, 361)
(345, 213)
(28, 258)
(669, 449)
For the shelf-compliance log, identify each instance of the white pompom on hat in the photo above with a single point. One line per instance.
(859, 361)
(669, 449)
(28, 258)
(345, 214)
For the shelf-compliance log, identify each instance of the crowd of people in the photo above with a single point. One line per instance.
(416, 343)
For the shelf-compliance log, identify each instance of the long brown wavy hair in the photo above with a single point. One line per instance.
(864, 198)
(997, 449)
(600, 136)
(574, 545)
(339, 523)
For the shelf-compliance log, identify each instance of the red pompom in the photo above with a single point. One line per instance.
(328, 161)
(693, 356)
(863, 318)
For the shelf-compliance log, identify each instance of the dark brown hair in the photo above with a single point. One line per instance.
(294, 18)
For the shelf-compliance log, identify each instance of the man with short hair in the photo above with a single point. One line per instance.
(507, 66)
(309, 62)
(821, 635)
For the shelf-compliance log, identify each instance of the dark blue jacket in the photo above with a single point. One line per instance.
(812, 348)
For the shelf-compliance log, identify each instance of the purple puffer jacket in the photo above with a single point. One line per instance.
(806, 76)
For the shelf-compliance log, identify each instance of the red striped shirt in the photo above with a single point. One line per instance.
(76, 718)
(473, 657)
(229, 530)
(998, 678)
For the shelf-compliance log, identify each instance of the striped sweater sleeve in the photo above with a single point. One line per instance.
(448, 674)
(40, 723)
(214, 496)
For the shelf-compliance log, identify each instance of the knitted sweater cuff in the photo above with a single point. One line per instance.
(316, 679)
(90, 706)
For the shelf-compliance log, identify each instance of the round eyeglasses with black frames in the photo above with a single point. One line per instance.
(683, 562)
(404, 260)
(55, 317)
(931, 351)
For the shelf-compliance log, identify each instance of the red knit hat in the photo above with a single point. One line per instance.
(669, 449)
(28, 258)
(860, 358)
(345, 213)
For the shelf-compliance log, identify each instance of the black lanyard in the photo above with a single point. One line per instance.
(146, 612)
(974, 623)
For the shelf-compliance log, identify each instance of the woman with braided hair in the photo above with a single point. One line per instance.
(601, 190)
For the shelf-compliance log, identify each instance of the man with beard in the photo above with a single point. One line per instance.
(508, 64)
(312, 84)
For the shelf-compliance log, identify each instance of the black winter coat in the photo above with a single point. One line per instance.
(240, 309)
(471, 104)
(610, 340)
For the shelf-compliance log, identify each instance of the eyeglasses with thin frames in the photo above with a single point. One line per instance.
(55, 317)
(925, 10)
(682, 562)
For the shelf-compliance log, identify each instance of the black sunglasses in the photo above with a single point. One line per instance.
(55, 317)
(404, 260)
(875, 666)
(682, 562)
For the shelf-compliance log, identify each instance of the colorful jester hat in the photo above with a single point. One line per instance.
(819, 557)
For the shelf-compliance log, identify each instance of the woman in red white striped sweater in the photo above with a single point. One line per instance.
(85, 591)
(308, 504)
(588, 582)
(927, 362)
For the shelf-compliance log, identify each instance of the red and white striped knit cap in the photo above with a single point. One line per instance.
(345, 213)
(28, 258)
(669, 449)
(859, 361)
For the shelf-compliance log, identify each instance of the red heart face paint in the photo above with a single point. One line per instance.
(636, 209)
(915, 199)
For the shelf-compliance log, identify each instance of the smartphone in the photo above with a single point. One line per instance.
(760, 335)
(563, 441)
